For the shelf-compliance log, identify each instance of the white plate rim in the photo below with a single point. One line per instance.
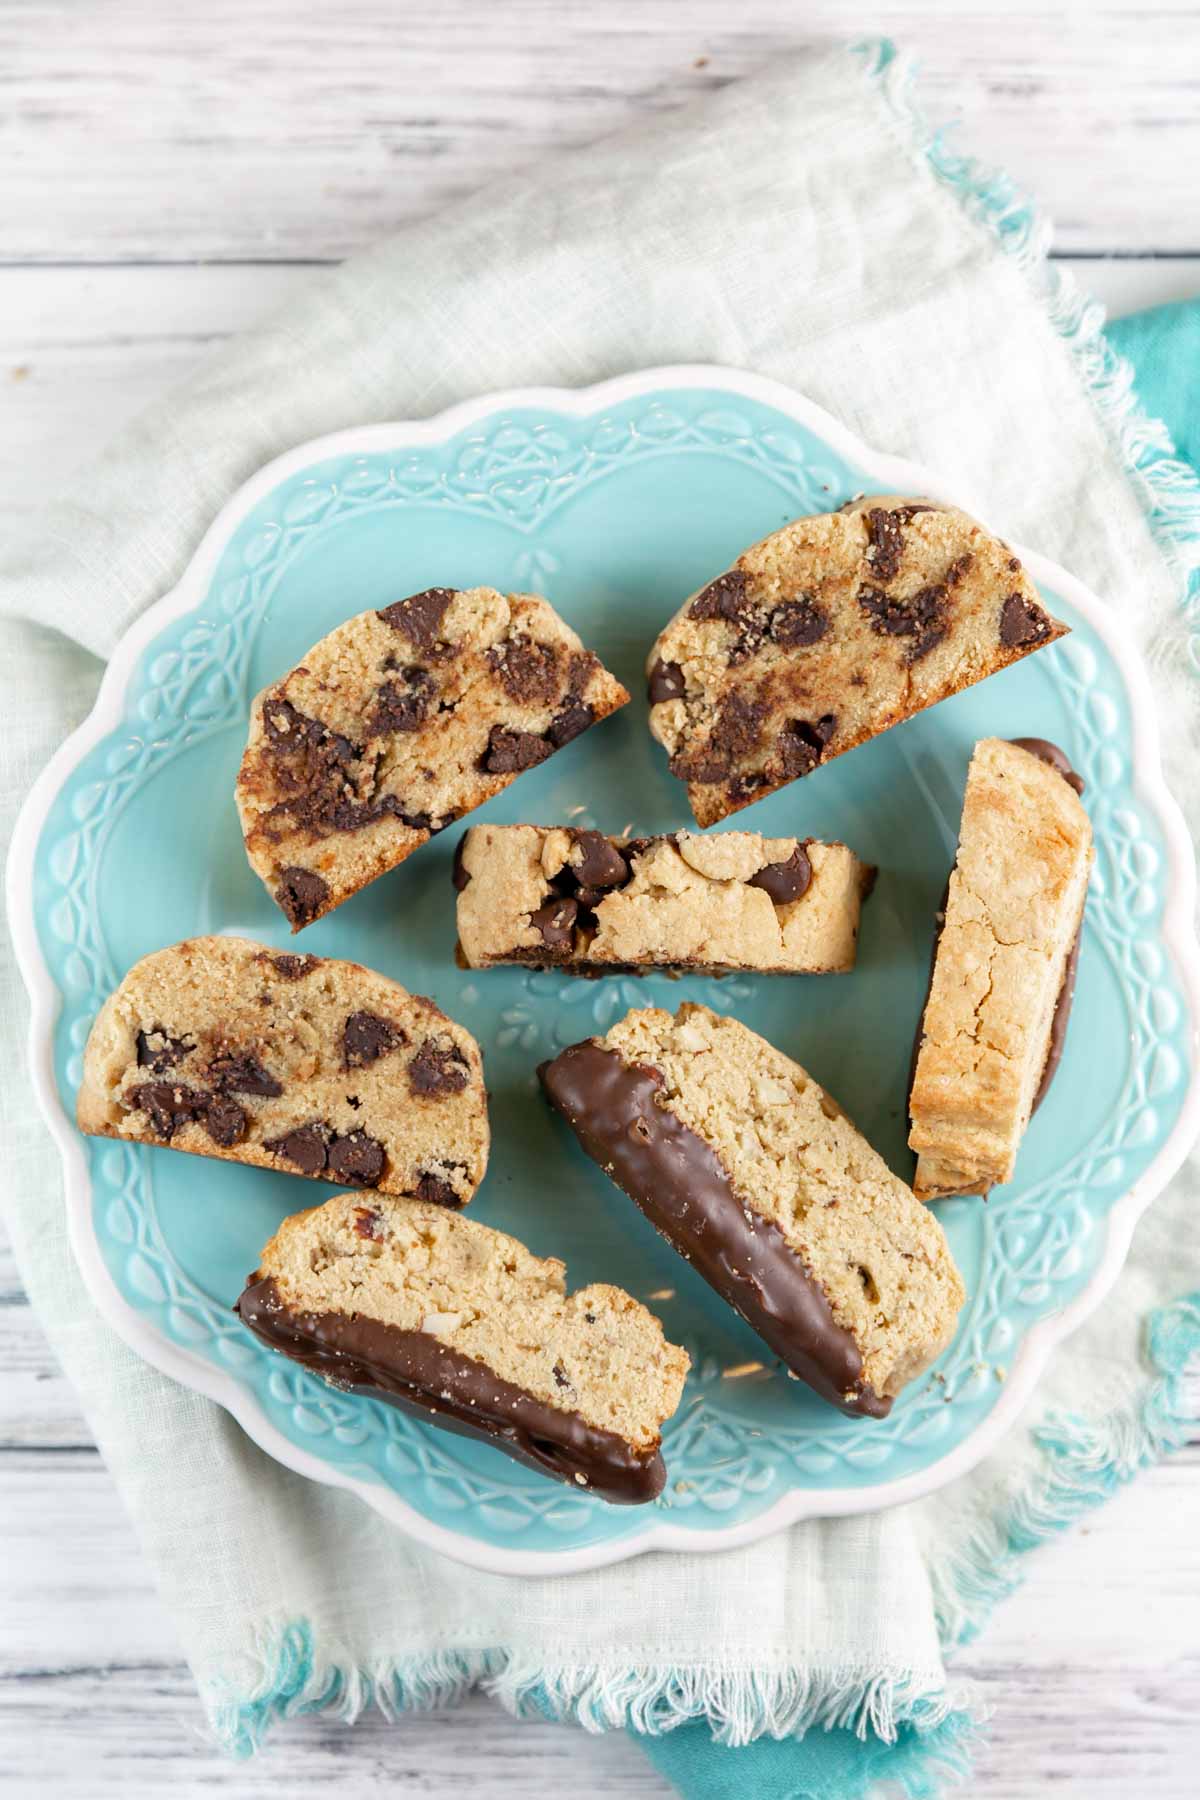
(1177, 932)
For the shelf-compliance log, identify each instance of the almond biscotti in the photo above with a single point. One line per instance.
(403, 1302)
(825, 634)
(396, 724)
(995, 1020)
(555, 896)
(756, 1176)
(226, 1048)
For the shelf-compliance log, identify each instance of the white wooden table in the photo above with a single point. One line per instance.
(168, 173)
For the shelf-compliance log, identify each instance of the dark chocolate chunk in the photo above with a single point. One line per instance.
(885, 543)
(681, 1185)
(527, 670)
(595, 863)
(355, 1159)
(158, 1052)
(665, 682)
(437, 1190)
(239, 1072)
(305, 1146)
(797, 623)
(301, 894)
(1022, 622)
(512, 752)
(438, 1069)
(801, 744)
(724, 598)
(224, 1120)
(367, 1224)
(1058, 759)
(366, 1037)
(458, 873)
(560, 1375)
(735, 734)
(419, 618)
(573, 719)
(922, 617)
(555, 922)
(404, 705)
(415, 1371)
(784, 882)
(291, 968)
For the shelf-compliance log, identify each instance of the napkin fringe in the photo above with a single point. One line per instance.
(1084, 1461)
(738, 1704)
(1167, 486)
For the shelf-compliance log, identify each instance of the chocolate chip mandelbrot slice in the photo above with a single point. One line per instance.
(451, 1320)
(396, 724)
(824, 635)
(226, 1048)
(560, 897)
(995, 1020)
(756, 1176)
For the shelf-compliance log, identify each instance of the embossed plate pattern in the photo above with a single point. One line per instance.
(616, 502)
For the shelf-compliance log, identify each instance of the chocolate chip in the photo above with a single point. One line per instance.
(595, 863)
(574, 718)
(158, 1052)
(436, 1069)
(798, 623)
(885, 547)
(437, 1190)
(560, 1375)
(962, 565)
(922, 617)
(238, 1072)
(366, 1037)
(356, 1159)
(291, 968)
(784, 882)
(305, 1146)
(555, 921)
(224, 1120)
(403, 705)
(737, 732)
(1022, 622)
(665, 682)
(419, 617)
(458, 873)
(527, 670)
(367, 1223)
(724, 598)
(512, 752)
(301, 894)
(801, 744)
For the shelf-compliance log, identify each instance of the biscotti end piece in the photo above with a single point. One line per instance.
(756, 1176)
(555, 896)
(998, 1001)
(224, 1047)
(395, 725)
(446, 1318)
(825, 634)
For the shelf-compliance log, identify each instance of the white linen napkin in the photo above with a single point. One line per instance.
(800, 225)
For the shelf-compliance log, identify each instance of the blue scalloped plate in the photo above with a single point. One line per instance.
(616, 502)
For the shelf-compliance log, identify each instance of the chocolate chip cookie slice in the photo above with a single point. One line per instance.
(554, 896)
(995, 1020)
(225, 1048)
(826, 633)
(402, 1302)
(399, 722)
(756, 1176)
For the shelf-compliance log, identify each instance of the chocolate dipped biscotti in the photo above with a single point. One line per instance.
(226, 1048)
(995, 1020)
(404, 1302)
(755, 1175)
(554, 896)
(825, 634)
(395, 725)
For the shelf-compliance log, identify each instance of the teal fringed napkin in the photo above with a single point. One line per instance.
(802, 224)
